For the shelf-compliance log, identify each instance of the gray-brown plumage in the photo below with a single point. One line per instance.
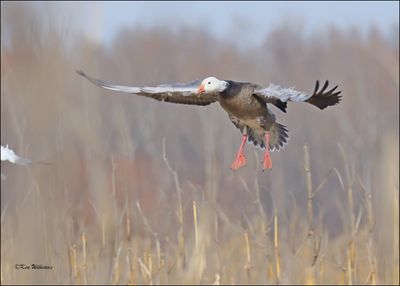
(176, 93)
(245, 103)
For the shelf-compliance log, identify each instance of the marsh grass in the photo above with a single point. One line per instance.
(141, 192)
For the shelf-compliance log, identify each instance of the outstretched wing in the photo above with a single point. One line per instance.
(278, 96)
(174, 93)
(8, 154)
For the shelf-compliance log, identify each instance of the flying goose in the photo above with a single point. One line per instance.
(245, 103)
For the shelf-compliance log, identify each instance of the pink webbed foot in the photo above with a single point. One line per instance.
(240, 159)
(267, 164)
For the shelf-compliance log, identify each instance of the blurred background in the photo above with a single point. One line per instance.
(127, 174)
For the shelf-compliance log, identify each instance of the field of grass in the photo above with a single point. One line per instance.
(140, 192)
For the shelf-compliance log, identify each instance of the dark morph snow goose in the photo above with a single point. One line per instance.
(245, 103)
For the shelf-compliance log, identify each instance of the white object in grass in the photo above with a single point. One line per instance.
(8, 154)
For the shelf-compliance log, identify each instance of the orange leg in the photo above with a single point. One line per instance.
(267, 157)
(240, 159)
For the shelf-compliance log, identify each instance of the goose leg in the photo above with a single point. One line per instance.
(240, 159)
(267, 157)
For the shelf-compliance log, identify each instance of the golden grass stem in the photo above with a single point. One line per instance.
(181, 238)
(217, 279)
(146, 272)
(321, 268)
(103, 232)
(84, 248)
(248, 265)
(114, 166)
(349, 267)
(128, 227)
(84, 258)
(310, 279)
(342, 276)
(196, 237)
(246, 237)
(396, 270)
(276, 245)
(115, 275)
(309, 187)
(158, 249)
(72, 263)
(148, 258)
(131, 268)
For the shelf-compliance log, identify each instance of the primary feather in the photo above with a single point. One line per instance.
(279, 95)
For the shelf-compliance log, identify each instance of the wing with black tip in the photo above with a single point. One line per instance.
(279, 95)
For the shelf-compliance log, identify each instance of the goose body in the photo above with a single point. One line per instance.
(245, 103)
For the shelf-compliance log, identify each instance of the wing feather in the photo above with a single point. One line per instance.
(174, 93)
(278, 95)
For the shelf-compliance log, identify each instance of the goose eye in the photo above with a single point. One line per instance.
(209, 82)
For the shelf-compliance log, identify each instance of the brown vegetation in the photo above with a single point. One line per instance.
(141, 191)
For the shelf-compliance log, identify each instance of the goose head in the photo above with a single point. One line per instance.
(212, 84)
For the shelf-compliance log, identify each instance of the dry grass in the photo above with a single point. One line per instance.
(141, 192)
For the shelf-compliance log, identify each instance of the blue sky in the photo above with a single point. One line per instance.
(224, 19)
(101, 21)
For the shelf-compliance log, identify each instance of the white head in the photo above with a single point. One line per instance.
(212, 84)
